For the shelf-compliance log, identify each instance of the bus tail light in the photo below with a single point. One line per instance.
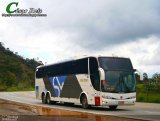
(97, 101)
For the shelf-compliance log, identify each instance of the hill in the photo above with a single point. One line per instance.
(16, 73)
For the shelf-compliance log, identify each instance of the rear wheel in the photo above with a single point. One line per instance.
(113, 107)
(84, 102)
(48, 99)
(43, 98)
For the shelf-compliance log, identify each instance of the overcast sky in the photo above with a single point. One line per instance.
(127, 28)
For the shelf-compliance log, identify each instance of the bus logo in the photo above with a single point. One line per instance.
(57, 84)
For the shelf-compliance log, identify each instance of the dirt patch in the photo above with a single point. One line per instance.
(11, 108)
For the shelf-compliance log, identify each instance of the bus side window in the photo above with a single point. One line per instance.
(82, 66)
(39, 73)
(94, 74)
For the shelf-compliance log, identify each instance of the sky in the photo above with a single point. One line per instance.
(128, 28)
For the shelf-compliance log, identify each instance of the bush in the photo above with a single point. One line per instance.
(148, 93)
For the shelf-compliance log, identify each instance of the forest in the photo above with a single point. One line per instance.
(16, 72)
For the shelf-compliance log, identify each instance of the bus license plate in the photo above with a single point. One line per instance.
(121, 102)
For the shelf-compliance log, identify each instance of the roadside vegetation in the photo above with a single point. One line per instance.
(148, 90)
(16, 73)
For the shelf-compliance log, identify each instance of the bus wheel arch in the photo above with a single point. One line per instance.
(84, 100)
(43, 97)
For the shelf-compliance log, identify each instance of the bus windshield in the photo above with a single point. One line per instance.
(118, 82)
(119, 75)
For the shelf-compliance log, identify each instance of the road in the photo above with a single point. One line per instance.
(145, 111)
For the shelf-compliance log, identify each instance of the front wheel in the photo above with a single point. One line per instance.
(113, 107)
(84, 102)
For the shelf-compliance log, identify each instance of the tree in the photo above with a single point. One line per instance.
(137, 77)
(156, 78)
(145, 77)
(2, 46)
(10, 79)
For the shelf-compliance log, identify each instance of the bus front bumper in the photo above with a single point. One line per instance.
(108, 102)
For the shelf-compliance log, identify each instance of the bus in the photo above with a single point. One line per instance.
(89, 81)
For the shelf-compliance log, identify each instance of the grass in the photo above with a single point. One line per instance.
(12, 89)
(149, 96)
(19, 87)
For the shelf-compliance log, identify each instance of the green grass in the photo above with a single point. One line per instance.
(13, 89)
(19, 87)
(150, 96)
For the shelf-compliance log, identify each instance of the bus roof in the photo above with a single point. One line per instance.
(77, 58)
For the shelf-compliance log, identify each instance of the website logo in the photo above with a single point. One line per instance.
(12, 10)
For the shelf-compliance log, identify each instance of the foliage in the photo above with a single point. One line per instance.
(16, 73)
(149, 89)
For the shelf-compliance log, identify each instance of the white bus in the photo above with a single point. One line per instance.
(90, 80)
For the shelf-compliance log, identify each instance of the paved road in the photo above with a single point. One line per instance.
(146, 111)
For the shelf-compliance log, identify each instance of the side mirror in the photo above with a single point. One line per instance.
(140, 74)
(101, 74)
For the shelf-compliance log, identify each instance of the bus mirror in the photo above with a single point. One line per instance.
(140, 74)
(101, 74)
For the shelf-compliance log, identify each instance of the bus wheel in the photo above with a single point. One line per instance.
(84, 102)
(48, 99)
(43, 98)
(113, 107)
